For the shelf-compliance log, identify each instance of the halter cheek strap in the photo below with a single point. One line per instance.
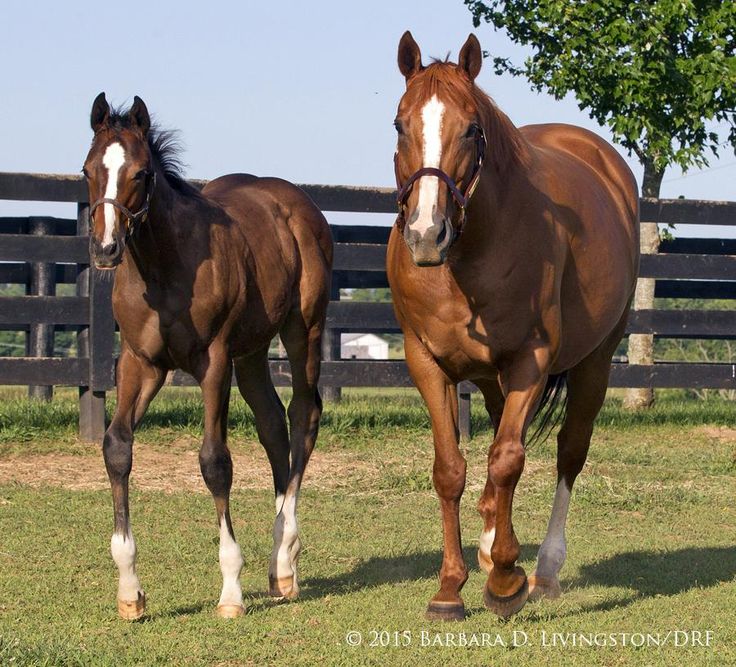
(134, 219)
(461, 198)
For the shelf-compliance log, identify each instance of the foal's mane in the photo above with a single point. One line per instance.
(165, 147)
(506, 146)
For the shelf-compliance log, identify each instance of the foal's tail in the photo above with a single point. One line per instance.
(551, 411)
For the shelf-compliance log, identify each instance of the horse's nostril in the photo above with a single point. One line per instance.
(442, 235)
(109, 249)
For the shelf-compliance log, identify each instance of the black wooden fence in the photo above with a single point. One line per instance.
(44, 252)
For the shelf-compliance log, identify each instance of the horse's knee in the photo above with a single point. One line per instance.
(449, 478)
(117, 450)
(506, 462)
(216, 465)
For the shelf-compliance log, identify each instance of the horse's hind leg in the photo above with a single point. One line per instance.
(586, 390)
(215, 462)
(494, 401)
(303, 347)
(137, 383)
(254, 382)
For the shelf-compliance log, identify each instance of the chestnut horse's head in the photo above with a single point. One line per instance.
(440, 150)
(120, 176)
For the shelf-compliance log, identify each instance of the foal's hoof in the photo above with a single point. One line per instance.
(507, 605)
(283, 588)
(485, 562)
(544, 587)
(445, 611)
(230, 610)
(132, 610)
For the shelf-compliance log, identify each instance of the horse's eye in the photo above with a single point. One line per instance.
(85, 172)
(472, 131)
(143, 173)
(399, 127)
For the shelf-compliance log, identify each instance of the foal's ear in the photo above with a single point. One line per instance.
(139, 117)
(471, 57)
(410, 57)
(100, 112)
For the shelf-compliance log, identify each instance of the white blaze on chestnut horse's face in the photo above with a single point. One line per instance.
(432, 113)
(113, 159)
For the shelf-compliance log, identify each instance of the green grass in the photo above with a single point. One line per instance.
(651, 546)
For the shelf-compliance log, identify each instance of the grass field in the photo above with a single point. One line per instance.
(651, 543)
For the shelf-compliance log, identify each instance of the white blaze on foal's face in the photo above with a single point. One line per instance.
(432, 113)
(113, 160)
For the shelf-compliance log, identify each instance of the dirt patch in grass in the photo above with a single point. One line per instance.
(722, 433)
(178, 470)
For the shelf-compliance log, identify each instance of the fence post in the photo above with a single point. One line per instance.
(91, 402)
(331, 348)
(42, 283)
(463, 411)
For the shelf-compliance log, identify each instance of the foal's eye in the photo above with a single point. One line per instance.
(399, 127)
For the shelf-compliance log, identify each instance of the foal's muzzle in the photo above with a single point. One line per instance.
(431, 247)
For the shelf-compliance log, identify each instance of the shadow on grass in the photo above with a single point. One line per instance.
(380, 570)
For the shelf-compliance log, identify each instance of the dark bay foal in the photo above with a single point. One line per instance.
(204, 281)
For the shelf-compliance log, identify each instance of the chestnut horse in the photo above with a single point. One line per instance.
(513, 262)
(204, 279)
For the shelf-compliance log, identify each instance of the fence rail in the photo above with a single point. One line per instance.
(43, 252)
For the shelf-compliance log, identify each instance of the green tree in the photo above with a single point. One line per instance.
(661, 75)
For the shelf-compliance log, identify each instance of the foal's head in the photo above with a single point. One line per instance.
(120, 176)
(441, 145)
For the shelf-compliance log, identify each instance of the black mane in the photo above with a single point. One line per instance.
(165, 147)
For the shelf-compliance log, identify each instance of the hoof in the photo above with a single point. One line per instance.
(132, 611)
(505, 606)
(230, 610)
(282, 588)
(544, 587)
(445, 611)
(485, 562)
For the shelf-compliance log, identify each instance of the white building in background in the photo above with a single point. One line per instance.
(363, 346)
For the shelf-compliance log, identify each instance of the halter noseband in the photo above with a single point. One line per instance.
(461, 198)
(134, 219)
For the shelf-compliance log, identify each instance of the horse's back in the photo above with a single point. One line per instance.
(596, 153)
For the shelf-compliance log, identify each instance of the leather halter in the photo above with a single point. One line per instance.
(134, 219)
(461, 198)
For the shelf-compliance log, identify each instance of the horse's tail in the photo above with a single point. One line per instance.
(551, 410)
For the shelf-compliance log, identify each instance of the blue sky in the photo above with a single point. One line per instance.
(302, 90)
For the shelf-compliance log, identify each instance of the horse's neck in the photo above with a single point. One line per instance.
(158, 248)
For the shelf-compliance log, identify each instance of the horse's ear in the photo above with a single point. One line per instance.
(139, 117)
(410, 57)
(471, 57)
(100, 112)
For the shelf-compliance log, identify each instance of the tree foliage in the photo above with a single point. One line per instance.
(659, 74)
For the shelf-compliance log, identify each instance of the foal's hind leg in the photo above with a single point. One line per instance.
(586, 390)
(303, 347)
(494, 401)
(137, 384)
(254, 382)
(215, 462)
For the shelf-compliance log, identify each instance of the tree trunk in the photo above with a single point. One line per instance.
(641, 346)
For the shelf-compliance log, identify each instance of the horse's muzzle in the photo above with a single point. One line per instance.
(431, 247)
(106, 257)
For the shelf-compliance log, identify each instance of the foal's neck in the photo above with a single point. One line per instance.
(159, 245)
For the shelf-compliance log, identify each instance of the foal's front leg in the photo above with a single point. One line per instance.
(216, 465)
(440, 395)
(137, 383)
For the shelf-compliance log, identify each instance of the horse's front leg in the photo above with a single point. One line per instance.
(215, 462)
(523, 381)
(440, 395)
(137, 383)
